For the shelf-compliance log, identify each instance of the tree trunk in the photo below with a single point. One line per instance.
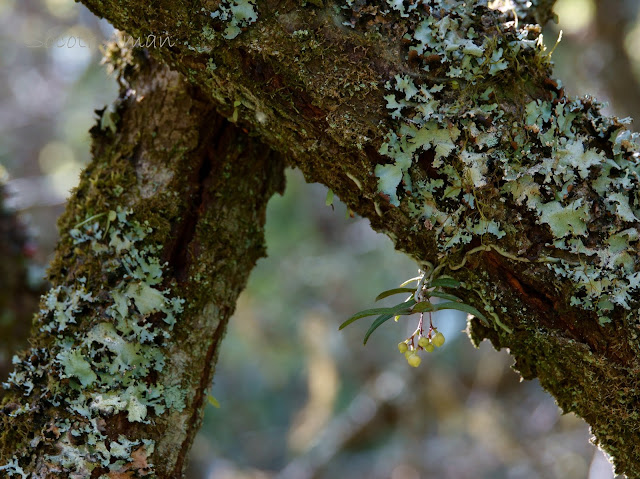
(440, 123)
(156, 244)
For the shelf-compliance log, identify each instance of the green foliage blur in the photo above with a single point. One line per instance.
(297, 398)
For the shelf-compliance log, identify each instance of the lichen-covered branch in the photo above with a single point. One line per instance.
(156, 244)
(438, 120)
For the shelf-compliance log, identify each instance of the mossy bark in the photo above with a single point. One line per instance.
(172, 179)
(315, 89)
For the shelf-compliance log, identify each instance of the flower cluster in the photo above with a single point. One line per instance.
(427, 342)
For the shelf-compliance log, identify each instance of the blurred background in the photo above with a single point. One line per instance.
(299, 399)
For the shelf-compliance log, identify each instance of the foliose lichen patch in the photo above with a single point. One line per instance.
(574, 169)
(236, 14)
(110, 371)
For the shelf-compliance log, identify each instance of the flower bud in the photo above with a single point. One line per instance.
(438, 340)
(414, 360)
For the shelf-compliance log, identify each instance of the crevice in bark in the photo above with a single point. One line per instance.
(526, 293)
(180, 250)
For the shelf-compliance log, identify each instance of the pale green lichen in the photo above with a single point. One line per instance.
(561, 158)
(427, 121)
(237, 14)
(105, 371)
(569, 161)
(13, 468)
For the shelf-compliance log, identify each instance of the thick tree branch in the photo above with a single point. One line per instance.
(156, 244)
(439, 122)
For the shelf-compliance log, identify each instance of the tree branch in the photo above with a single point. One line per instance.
(440, 123)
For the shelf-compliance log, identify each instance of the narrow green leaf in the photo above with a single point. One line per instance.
(397, 309)
(440, 294)
(462, 307)
(445, 282)
(383, 318)
(363, 314)
(380, 320)
(391, 292)
(422, 307)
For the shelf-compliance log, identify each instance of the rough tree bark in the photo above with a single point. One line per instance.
(156, 244)
(440, 123)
